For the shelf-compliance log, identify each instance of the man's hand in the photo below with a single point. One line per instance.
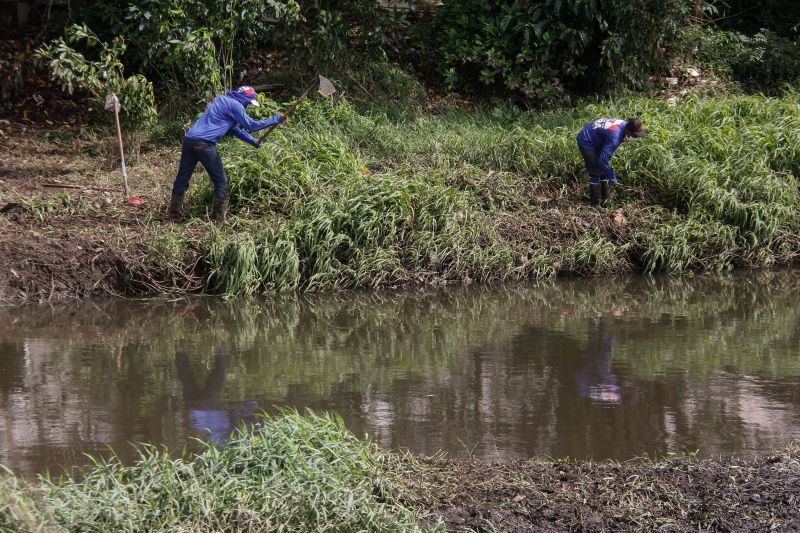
(257, 144)
(284, 116)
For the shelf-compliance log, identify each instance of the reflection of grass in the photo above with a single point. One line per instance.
(749, 323)
(292, 473)
(325, 340)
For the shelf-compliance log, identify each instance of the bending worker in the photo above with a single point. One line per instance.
(597, 141)
(226, 115)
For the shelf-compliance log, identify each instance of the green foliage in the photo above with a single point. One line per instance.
(190, 46)
(329, 34)
(18, 510)
(99, 77)
(195, 43)
(379, 85)
(764, 61)
(539, 49)
(752, 16)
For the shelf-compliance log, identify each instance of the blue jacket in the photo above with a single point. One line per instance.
(226, 115)
(604, 136)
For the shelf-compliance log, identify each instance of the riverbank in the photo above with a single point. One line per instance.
(308, 472)
(341, 198)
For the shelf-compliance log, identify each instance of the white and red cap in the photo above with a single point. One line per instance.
(249, 93)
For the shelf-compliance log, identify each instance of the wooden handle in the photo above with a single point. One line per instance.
(289, 110)
(121, 149)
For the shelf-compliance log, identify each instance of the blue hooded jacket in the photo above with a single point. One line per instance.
(604, 136)
(227, 115)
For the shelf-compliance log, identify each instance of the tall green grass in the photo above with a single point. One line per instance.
(291, 473)
(339, 198)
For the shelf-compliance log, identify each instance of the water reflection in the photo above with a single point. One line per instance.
(206, 412)
(595, 378)
(641, 366)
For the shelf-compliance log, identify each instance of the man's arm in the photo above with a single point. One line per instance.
(243, 135)
(240, 116)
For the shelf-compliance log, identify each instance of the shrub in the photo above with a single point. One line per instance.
(329, 34)
(101, 76)
(289, 473)
(541, 49)
(764, 61)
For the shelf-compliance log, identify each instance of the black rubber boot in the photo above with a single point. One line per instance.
(220, 209)
(606, 192)
(594, 195)
(175, 210)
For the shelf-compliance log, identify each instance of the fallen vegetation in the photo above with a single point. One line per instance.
(306, 473)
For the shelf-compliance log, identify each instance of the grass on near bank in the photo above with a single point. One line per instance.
(290, 473)
(308, 473)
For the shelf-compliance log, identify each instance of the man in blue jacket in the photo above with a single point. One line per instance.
(597, 141)
(226, 115)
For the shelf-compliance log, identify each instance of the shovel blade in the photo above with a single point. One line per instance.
(326, 88)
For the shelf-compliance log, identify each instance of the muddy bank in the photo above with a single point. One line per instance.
(678, 494)
(66, 231)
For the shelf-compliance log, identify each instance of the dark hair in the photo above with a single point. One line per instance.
(634, 124)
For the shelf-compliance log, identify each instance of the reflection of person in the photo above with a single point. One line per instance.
(597, 142)
(595, 379)
(204, 402)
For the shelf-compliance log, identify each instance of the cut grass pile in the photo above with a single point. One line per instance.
(291, 473)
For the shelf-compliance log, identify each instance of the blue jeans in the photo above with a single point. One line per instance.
(591, 158)
(205, 152)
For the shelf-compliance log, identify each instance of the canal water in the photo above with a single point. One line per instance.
(586, 369)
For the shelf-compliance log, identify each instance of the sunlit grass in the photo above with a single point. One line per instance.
(338, 198)
(291, 473)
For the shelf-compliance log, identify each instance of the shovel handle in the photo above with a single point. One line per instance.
(289, 111)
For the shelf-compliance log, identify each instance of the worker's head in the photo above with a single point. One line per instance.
(634, 129)
(246, 95)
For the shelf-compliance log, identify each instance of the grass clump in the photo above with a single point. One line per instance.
(18, 509)
(320, 220)
(290, 473)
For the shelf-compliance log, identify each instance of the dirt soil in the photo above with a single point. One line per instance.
(675, 494)
(65, 225)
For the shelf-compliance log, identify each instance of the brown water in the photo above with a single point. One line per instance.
(585, 369)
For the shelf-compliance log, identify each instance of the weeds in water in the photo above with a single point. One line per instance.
(289, 473)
